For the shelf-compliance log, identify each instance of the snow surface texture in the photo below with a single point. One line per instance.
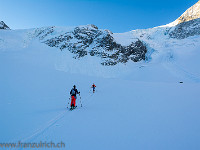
(138, 106)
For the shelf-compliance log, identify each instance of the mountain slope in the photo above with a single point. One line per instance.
(114, 48)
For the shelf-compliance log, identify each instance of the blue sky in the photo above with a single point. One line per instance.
(115, 15)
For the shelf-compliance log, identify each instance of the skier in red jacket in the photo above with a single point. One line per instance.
(73, 93)
(93, 87)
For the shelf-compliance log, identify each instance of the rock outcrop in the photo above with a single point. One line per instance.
(3, 26)
(89, 40)
(186, 29)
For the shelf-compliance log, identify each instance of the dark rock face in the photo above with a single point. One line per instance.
(135, 51)
(3, 26)
(186, 29)
(89, 40)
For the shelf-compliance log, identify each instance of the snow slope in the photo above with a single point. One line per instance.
(137, 105)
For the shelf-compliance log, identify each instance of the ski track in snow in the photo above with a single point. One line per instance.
(41, 130)
(38, 132)
(169, 65)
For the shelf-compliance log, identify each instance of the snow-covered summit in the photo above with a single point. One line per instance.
(3, 25)
(191, 13)
(188, 24)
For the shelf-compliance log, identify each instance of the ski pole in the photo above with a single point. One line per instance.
(68, 103)
(80, 100)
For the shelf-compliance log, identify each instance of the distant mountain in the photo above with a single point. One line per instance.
(114, 48)
(3, 26)
(89, 40)
(190, 14)
(187, 24)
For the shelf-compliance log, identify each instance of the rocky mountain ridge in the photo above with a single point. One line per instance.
(3, 26)
(188, 24)
(89, 40)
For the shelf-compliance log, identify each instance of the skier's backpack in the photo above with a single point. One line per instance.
(73, 92)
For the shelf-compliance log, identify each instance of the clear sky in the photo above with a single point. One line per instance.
(115, 15)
